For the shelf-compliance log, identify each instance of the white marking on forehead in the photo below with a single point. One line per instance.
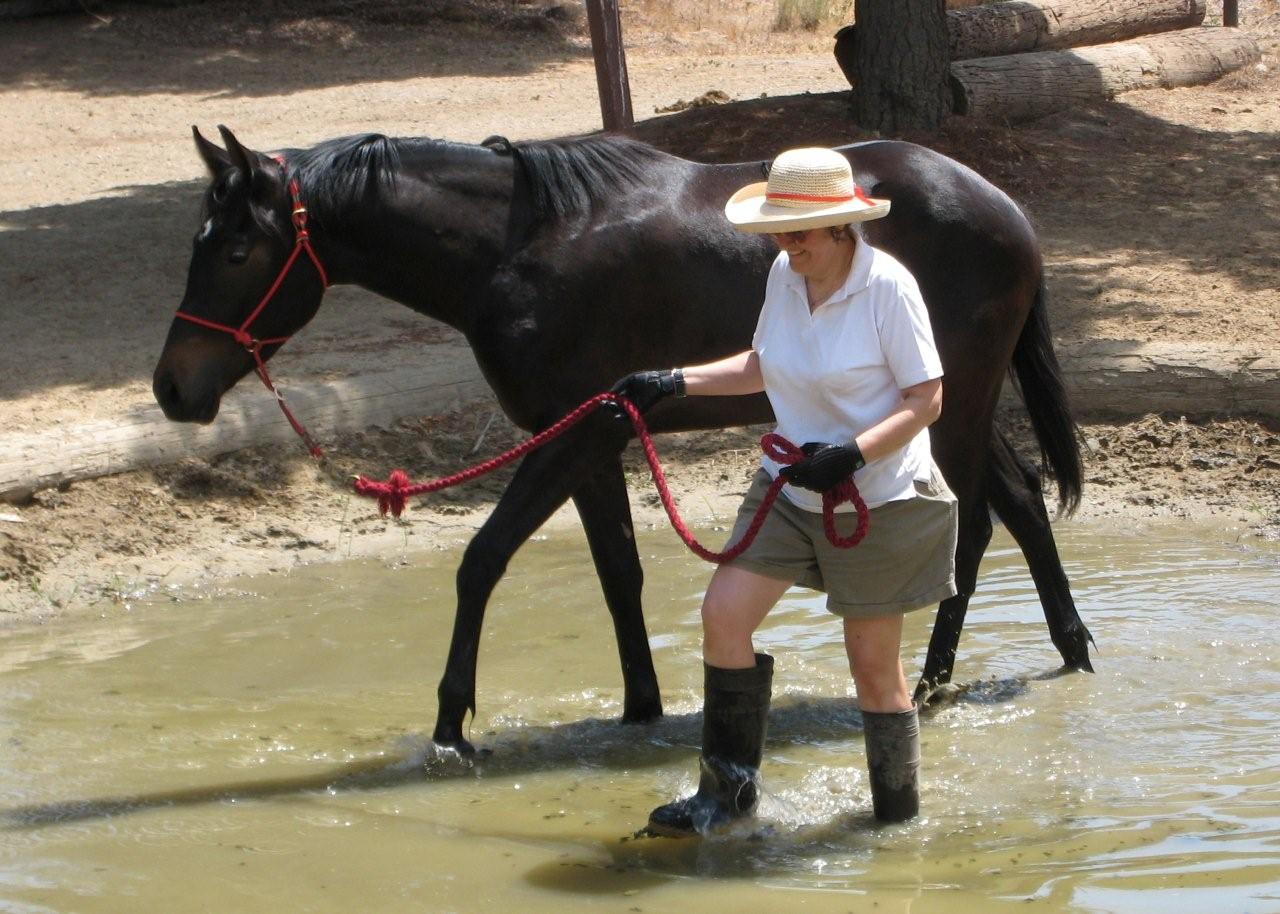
(206, 230)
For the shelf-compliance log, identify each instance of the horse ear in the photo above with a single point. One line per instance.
(240, 157)
(215, 159)
(250, 162)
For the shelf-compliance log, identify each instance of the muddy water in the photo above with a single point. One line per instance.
(266, 750)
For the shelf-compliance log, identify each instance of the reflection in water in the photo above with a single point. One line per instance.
(263, 752)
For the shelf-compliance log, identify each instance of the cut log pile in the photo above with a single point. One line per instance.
(1021, 59)
(1024, 86)
(1018, 27)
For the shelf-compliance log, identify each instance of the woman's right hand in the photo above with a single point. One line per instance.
(645, 388)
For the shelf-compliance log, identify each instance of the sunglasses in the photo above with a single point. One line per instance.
(794, 237)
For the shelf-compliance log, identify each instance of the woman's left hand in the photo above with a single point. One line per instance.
(824, 466)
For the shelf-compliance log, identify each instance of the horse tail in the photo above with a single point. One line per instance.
(1038, 377)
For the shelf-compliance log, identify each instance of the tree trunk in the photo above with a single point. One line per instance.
(900, 61)
(1042, 25)
(1023, 86)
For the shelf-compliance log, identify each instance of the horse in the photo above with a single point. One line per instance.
(568, 263)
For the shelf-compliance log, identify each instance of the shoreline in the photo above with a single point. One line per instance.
(183, 527)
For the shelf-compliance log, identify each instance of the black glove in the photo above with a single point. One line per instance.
(645, 388)
(824, 466)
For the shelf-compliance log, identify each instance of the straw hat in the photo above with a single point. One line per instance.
(807, 188)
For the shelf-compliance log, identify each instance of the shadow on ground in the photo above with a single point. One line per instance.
(1105, 186)
(1108, 183)
(233, 49)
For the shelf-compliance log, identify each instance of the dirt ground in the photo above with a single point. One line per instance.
(1158, 214)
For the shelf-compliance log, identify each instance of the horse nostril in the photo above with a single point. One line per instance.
(166, 393)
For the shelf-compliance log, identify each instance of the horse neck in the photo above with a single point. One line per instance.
(431, 241)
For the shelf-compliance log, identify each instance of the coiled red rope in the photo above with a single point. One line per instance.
(394, 493)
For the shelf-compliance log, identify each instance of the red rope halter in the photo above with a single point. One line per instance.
(394, 492)
(302, 242)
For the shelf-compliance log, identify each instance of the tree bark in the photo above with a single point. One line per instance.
(1042, 25)
(1023, 86)
(900, 61)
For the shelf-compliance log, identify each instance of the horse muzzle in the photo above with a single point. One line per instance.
(184, 402)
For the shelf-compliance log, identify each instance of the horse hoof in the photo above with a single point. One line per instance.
(927, 690)
(1074, 648)
(453, 741)
(644, 714)
(940, 696)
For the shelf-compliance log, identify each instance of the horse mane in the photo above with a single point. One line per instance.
(335, 172)
(565, 176)
(570, 176)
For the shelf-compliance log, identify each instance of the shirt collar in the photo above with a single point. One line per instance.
(858, 279)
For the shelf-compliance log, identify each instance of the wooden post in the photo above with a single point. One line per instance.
(1231, 12)
(611, 64)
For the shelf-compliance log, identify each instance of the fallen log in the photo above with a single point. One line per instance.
(1024, 86)
(1106, 379)
(1022, 26)
(1019, 26)
(143, 437)
(1124, 379)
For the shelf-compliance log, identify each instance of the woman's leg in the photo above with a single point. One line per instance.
(874, 647)
(736, 603)
(891, 724)
(735, 711)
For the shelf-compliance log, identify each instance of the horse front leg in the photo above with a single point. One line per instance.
(1017, 496)
(545, 480)
(602, 503)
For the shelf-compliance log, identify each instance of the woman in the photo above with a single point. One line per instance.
(844, 351)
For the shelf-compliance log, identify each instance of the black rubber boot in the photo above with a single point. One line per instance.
(893, 760)
(735, 715)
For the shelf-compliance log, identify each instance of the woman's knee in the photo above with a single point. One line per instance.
(725, 619)
(736, 603)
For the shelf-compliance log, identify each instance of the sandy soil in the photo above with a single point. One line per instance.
(1158, 216)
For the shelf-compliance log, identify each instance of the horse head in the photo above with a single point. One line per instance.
(247, 288)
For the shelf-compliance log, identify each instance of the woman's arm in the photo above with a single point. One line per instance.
(732, 376)
(920, 407)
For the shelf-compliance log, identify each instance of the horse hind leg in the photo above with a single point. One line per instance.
(1016, 495)
(602, 503)
(974, 536)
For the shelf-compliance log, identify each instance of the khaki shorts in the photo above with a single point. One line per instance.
(906, 561)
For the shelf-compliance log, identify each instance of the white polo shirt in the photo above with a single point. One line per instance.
(832, 374)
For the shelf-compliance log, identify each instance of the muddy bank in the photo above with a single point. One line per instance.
(94, 546)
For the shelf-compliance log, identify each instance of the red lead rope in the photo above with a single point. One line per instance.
(393, 493)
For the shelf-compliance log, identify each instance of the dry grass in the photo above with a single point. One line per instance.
(811, 15)
(766, 26)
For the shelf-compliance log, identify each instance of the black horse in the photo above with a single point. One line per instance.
(569, 263)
